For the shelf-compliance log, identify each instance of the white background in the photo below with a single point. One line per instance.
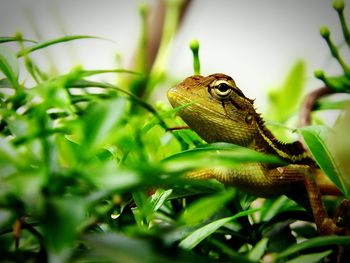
(254, 41)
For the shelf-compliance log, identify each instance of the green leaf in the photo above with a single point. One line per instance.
(159, 198)
(54, 94)
(82, 83)
(315, 138)
(88, 73)
(326, 104)
(234, 255)
(110, 178)
(200, 234)
(101, 121)
(274, 206)
(7, 218)
(147, 206)
(9, 65)
(310, 258)
(258, 250)
(204, 208)
(8, 153)
(339, 145)
(112, 247)
(168, 113)
(313, 243)
(53, 42)
(141, 214)
(15, 39)
(4, 83)
(62, 216)
(216, 154)
(284, 101)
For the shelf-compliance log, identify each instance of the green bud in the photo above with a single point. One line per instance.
(319, 74)
(143, 9)
(18, 35)
(324, 31)
(194, 45)
(338, 5)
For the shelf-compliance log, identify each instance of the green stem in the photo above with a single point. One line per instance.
(171, 21)
(334, 50)
(345, 28)
(194, 45)
(339, 5)
(33, 69)
(142, 60)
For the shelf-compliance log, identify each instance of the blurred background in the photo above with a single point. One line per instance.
(256, 42)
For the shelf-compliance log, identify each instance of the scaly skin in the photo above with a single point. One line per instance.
(219, 112)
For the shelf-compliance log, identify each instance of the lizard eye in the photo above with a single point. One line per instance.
(223, 90)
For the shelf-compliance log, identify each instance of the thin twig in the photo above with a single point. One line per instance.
(178, 128)
(309, 103)
(17, 226)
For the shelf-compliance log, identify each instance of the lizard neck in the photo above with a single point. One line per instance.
(291, 152)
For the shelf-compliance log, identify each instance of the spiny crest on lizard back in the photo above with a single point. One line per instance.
(292, 152)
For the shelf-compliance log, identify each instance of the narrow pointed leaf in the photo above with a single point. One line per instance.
(200, 234)
(315, 137)
(205, 207)
(15, 39)
(53, 42)
(313, 243)
(310, 258)
(9, 65)
(216, 154)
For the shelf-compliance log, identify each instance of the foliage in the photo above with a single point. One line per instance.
(288, 96)
(337, 83)
(89, 171)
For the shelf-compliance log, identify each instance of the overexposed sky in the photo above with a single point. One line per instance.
(254, 41)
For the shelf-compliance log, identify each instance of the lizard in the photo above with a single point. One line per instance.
(218, 111)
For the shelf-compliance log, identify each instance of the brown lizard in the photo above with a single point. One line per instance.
(219, 112)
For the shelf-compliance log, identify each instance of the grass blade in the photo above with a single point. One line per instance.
(315, 138)
(215, 154)
(313, 243)
(15, 39)
(200, 234)
(9, 65)
(205, 207)
(54, 42)
(310, 258)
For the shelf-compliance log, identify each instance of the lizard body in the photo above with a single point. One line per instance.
(219, 112)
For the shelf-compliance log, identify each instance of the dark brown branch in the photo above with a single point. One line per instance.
(309, 103)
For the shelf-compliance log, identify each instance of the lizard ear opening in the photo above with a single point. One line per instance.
(249, 118)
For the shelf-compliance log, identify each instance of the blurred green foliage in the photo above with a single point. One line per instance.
(89, 171)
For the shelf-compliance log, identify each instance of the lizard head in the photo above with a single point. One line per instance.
(216, 109)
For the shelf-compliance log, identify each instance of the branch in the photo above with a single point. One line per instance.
(309, 103)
